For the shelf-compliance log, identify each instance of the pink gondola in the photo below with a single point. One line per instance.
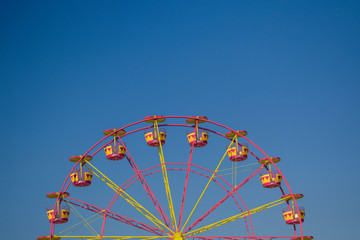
(58, 216)
(81, 179)
(154, 138)
(238, 153)
(197, 138)
(270, 179)
(292, 218)
(115, 153)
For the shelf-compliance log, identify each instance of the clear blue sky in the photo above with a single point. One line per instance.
(286, 71)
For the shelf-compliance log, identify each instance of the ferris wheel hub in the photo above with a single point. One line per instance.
(178, 236)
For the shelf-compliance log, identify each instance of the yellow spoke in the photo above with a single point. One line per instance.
(239, 166)
(207, 185)
(166, 180)
(235, 217)
(96, 214)
(128, 198)
(91, 229)
(225, 174)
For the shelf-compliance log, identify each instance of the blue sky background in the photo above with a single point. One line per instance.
(286, 71)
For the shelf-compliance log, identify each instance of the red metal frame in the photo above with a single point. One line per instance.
(141, 174)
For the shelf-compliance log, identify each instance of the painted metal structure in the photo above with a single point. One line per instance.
(164, 224)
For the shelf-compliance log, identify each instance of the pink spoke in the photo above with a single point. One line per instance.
(116, 216)
(246, 223)
(240, 237)
(251, 225)
(116, 195)
(185, 186)
(103, 226)
(146, 186)
(223, 200)
(228, 192)
(192, 171)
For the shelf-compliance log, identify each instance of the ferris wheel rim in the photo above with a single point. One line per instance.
(182, 125)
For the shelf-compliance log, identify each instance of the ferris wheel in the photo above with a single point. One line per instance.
(175, 177)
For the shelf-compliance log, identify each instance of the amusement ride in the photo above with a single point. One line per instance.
(174, 191)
